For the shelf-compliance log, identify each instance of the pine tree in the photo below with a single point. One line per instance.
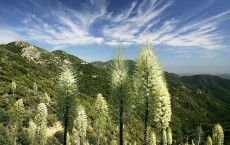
(41, 123)
(209, 140)
(152, 91)
(17, 117)
(13, 87)
(67, 100)
(169, 135)
(218, 135)
(81, 122)
(32, 131)
(120, 87)
(153, 139)
(101, 116)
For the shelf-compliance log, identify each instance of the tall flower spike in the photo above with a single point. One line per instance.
(218, 135)
(67, 80)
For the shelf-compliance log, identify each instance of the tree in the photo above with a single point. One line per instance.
(199, 135)
(119, 82)
(67, 100)
(209, 140)
(152, 93)
(169, 135)
(153, 139)
(32, 131)
(101, 116)
(18, 112)
(41, 123)
(218, 135)
(13, 86)
(81, 122)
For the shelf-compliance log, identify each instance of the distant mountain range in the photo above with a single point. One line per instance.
(198, 99)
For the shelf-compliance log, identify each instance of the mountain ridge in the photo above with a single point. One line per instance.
(194, 99)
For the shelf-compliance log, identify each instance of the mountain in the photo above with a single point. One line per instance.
(199, 99)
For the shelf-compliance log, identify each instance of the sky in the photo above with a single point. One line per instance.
(188, 36)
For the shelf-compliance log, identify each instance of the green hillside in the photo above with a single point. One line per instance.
(196, 100)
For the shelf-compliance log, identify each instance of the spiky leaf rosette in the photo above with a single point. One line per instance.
(218, 135)
(81, 122)
(209, 140)
(41, 122)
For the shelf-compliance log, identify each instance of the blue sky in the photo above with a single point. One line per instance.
(189, 36)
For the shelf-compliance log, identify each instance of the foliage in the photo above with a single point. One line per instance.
(169, 135)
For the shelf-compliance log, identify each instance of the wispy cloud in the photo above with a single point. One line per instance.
(93, 23)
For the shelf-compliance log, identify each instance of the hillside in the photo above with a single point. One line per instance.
(195, 100)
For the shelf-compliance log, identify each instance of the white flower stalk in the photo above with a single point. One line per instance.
(32, 131)
(209, 140)
(153, 139)
(47, 97)
(81, 122)
(67, 81)
(41, 122)
(169, 135)
(218, 135)
(13, 86)
(101, 116)
(152, 91)
(35, 87)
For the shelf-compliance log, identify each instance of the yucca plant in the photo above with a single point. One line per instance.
(41, 123)
(13, 87)
(81, 122)
(17, 117)
(101, 116)
(120, 89)
(209, 140)
(218, 135)
(152, 92)
(169, 135)
(152, 138)
(67, 100)
(32, 131)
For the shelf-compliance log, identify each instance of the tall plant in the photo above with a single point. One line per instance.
(67, 100)
(119, 82)
(152, 92)
(218, 135)
(81, 122)
(41, 123)
(101, 116)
